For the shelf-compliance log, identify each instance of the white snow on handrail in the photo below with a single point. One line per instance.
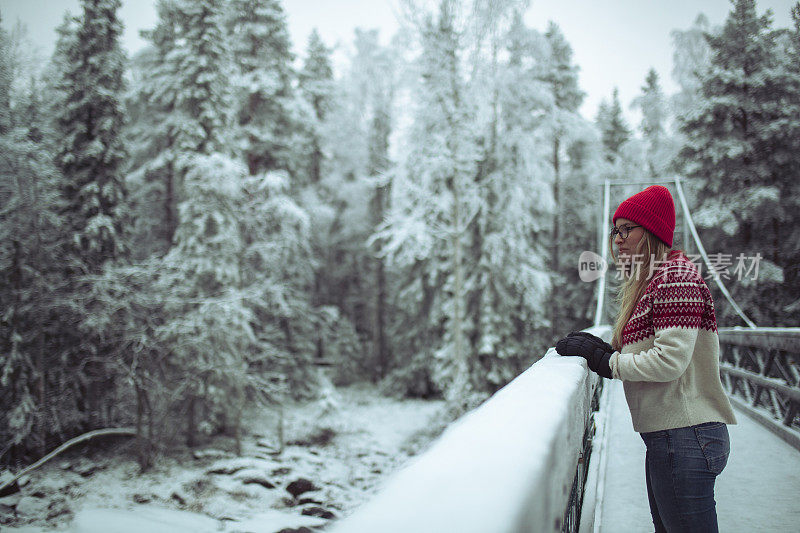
(506, 466)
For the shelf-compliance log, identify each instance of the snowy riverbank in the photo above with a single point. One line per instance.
(336, 455)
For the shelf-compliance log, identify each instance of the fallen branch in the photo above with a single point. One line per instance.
(70, 443)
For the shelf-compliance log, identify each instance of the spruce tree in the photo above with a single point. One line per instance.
(159, 134)
(511, 272)
(560, 73)
(738, 152)
(207, 325)
(316, 85)
(91, 154)
(58, 65)
(434, 198)
(652, 104)
(37, 381)
(262, 53)
(690, 58)
(614, 130)
(89, 118)
(787, 251)
(562, 79)
(356, 136)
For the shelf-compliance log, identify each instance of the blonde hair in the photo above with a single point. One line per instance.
(637, 274)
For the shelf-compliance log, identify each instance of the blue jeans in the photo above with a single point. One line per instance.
(681, 467)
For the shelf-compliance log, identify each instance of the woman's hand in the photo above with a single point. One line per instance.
(600, 342)
(597, 354)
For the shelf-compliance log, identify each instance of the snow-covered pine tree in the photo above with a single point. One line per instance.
(89, 119)
(787, 252)
(561, 76)
(613, 128)
(278, 272)
(207, 326)
(263, 88)
(523, 97)
(434, 198)
(690, 57)
(91, 154)
(316, 86)
(57, 66)
(355, 134)
(276, 234)
(36, 387)
(735, 151)
(583, 173)
(660, 148)
(168, 120)
(507, 277)
(159, 132)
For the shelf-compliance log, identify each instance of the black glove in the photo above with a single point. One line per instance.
(597, 357)
(600, 342)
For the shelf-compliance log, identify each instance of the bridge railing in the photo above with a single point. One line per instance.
(517, 463)
(760, 367)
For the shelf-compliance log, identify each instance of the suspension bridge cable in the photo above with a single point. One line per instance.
(601, 287)
(688, 218)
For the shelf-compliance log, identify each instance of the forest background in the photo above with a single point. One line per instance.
(194, 230)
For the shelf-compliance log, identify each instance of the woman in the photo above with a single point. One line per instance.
(665, 349)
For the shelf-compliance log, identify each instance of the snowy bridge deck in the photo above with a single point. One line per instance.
(757, 491)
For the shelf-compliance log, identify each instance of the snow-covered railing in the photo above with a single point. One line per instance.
(760, 367)
(510, 465)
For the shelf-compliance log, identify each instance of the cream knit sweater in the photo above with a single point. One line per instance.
(669, 362)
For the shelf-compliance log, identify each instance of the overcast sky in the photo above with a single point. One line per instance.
(614, 42)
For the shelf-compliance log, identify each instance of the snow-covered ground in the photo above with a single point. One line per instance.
(214, 490)
(757, 491)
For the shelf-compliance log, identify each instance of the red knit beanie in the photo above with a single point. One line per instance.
(652, 208)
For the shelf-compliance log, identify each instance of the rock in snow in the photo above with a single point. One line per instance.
(299, 486)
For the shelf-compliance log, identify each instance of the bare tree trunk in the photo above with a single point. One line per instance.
(316, 162)
(379, 337)
(150, 430)
(379, 333)
(191, 422)
(238, 420)
(461, 378)
(142, 442)
(170, 201)
(281, 437)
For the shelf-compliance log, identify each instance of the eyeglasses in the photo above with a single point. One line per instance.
(623, 231)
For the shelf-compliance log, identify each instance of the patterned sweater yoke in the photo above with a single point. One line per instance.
(669, 361)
